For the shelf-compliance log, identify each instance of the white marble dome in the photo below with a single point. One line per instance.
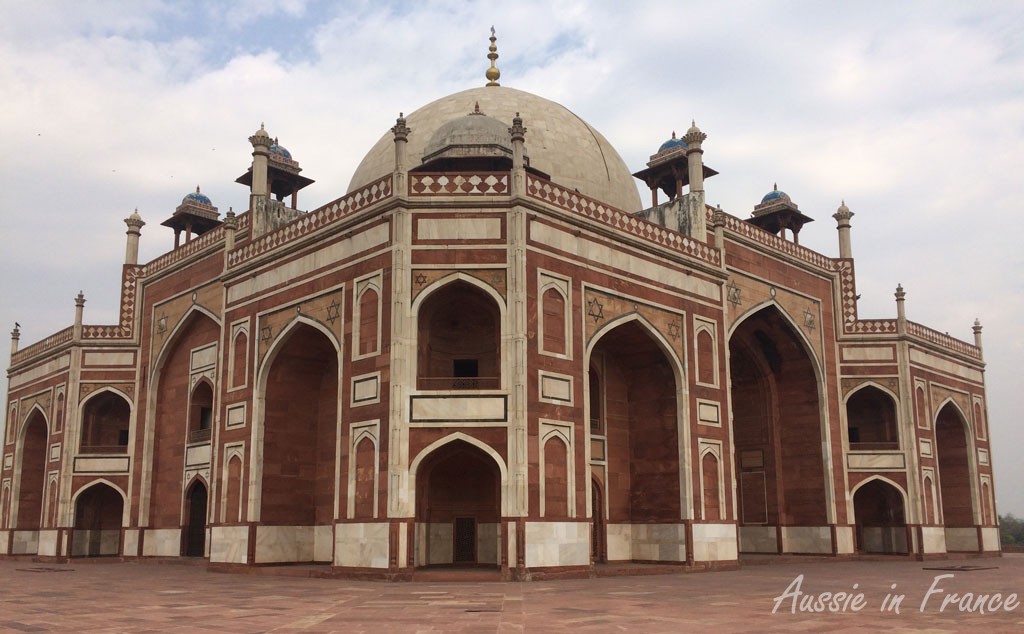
(558, 142)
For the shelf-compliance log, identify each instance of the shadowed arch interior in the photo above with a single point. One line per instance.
(33, 473)
(640, 421)
(776, 425)
(880, 519)
(300, 422)
(105, 419)
(871, 420)
(98, 512)
(458, 506)
(172, 418)
(459, 338)
(954, 468)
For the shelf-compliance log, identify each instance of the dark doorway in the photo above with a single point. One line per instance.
(881, 527)
(195, 532)
(465, 540)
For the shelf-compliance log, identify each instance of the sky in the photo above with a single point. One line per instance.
(911, 112)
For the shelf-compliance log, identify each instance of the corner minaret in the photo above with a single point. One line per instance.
(842, 216)
(493, 73)
(131, 249)
(401, 132)
(518, 135)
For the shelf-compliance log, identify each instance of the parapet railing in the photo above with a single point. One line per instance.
(309, 222)
(590, 208)
(462, 184)
(943, 340)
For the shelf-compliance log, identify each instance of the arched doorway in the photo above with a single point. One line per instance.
(459, 340)
(880, 518)
(458, 507)
(777, 436)
(300, 421)
(33, 473)
(98, 512)
(105, 419)
(871, 420)
(634, 410)
(194, 533)
(956, 497)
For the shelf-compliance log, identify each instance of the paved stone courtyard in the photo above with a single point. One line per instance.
(149, 597)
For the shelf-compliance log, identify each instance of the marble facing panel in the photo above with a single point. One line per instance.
(361, 545)
(557, 544)
(933, 539)
(284, 544)
(990, 539)
(48, 542)
(807, 539)
(715, 542)
(25, 543)
(844, 540)
(961, 539)
(758, 539)
(162, 542)
(229, 544)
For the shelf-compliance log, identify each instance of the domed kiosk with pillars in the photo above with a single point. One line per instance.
(489, 358)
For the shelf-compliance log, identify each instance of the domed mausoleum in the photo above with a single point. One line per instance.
(489, 357)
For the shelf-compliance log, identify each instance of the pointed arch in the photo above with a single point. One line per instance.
(784, 475)
(955, 458)
(460, 493)
(36, 408)
(677, 366)
(450, 438)
(310, 510)
(451, 278)
(881, 522)
(794, 327)
(160, 489)
(460, 324)
(179, 327)
(872, 420)
(100, 512)
(112, 431)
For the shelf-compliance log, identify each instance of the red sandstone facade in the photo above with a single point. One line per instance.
(472, 361)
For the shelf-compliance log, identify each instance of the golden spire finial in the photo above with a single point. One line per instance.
(493, 73)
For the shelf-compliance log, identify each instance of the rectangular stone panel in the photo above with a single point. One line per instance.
(868, 461)
(458, 229)
(708, 413)
(101, 464)
(197, 455)
(464, 409)
(867, 354)
(108, 359)
(366, 389)
(556, 388)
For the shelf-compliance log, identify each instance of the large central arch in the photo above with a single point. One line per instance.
(635, 408)
(297, 501)
(782, 489)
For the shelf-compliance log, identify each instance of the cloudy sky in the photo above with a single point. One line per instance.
(911, 111)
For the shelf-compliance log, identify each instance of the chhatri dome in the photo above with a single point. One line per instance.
(672, 144)
(558, 142)
(775, 194)
(197, 197)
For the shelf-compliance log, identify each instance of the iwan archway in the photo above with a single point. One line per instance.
(458, 506)
(781, 486)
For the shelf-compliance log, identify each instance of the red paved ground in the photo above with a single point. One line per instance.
(138, 598)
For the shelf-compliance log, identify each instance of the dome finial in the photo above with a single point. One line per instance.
(493, 73)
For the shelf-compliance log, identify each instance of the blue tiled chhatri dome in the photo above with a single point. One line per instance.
(198, 197)
(672, 143)
(775, 194)
(280, 150)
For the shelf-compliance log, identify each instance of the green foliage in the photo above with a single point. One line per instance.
(1011, 530)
